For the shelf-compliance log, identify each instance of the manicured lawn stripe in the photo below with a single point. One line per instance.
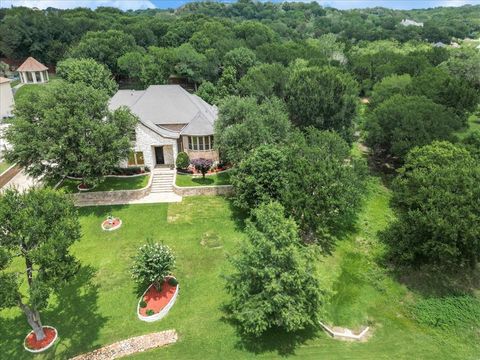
(222, 178)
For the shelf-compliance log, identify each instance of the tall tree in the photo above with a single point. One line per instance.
(275, 283)
(323, 186)
(104, 46)
(37, 229)
(244, 125)
(68, 130)
(89, 72)
(325, 98)
(435, 197)
(403, 122)
(241, 59)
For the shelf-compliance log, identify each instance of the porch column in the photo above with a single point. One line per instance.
(34, 76)
(46, 73)
(41, 77)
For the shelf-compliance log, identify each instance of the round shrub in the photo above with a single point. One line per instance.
(152, 264)
(172, 281)
(150, 312)
(143, 304)
(202, 165)
(182, 160)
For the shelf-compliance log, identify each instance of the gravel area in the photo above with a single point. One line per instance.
(131, 346)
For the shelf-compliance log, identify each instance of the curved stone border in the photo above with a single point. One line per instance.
(203, 190)
(113, 228)
(131, 346)
(115, 176)
(46, 347)
(162, 312)
(347, 334)
(84, 190)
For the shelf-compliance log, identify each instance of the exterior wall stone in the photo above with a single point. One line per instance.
(203, 190)
(210, 154)
(146, 140)
(111, 197)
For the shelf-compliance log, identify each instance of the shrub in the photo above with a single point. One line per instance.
(143, 304)
(150, 312)
(182, 160)
(152, 264)
(172, 281)
(202, 165)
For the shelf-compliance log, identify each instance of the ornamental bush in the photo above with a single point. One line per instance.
(152, 264)
(182, 160)
(202, 165)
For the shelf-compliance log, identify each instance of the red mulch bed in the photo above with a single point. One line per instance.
(114, 223)
(32, 343)
(156, 300)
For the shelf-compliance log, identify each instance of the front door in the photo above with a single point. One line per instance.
(159, 155)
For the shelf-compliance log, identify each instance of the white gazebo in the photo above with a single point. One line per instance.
(32, 72)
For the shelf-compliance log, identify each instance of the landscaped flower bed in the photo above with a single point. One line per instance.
(111, 223)
(31, 344)
(84, 187)
(155, 304)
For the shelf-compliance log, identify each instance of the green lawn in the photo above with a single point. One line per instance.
(3, 166)
(25, 91)
(109, 184)
(222, 178)
(98, 307)
(14, 83)
(473, 125)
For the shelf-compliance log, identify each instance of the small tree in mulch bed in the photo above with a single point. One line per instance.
(202, 165)
(152, 264)
(37, 226)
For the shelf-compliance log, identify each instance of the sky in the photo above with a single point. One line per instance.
(148, 4)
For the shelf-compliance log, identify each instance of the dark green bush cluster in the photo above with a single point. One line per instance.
(150, 312)
(172, 281)
(448, 312)
(182, 160)
(143, 304)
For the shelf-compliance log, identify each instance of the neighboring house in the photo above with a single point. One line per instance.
(6, 98)
(408, 22)
(33, 72)
(171, 120)
(439, 44)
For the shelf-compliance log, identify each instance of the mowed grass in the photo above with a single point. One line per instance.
(98, 307)
(109, 184)
(222, 178)
(25, 91)
(3, 166)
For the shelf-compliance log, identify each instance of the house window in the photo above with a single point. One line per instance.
(200, 143)
(136, 158)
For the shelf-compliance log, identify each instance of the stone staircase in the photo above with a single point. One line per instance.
(162, 181)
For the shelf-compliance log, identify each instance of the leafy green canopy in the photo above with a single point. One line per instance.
(403, 122)
(260, 177)
(435, 197)
(275, 282)
(38, 227)
(89, 72)
(325, 98)
(68, 130)
(243, 125)
(323, 185)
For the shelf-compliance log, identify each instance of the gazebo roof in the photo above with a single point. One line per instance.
(32, 64)
(4, 80)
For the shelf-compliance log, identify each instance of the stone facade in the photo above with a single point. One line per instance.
(203, 190)
(197, 154)
(147, 140)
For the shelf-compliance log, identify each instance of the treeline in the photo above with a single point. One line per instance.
(48, 34)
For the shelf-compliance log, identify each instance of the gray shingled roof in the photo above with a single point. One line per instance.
(168, 105)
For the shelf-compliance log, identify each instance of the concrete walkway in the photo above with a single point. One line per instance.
(152, 198)
(22, 182)
(16, 87)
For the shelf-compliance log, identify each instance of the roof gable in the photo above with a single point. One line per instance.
(32, 64)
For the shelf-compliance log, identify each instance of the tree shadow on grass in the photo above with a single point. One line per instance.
(75, 316)
(238, 216)
(203, 181)
(101, 210)
(431, 281)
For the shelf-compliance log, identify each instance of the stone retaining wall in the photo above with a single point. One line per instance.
(111, 197)
(203, 190)
(8, 174)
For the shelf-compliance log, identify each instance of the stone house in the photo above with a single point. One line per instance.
(6, 98)
(171, 120)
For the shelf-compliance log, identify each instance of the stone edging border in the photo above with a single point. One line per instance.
(160, 314)
(345, 335)
(113, 228)
(115, 176)
(46, 347)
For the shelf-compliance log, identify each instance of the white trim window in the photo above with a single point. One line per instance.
(200, 143)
